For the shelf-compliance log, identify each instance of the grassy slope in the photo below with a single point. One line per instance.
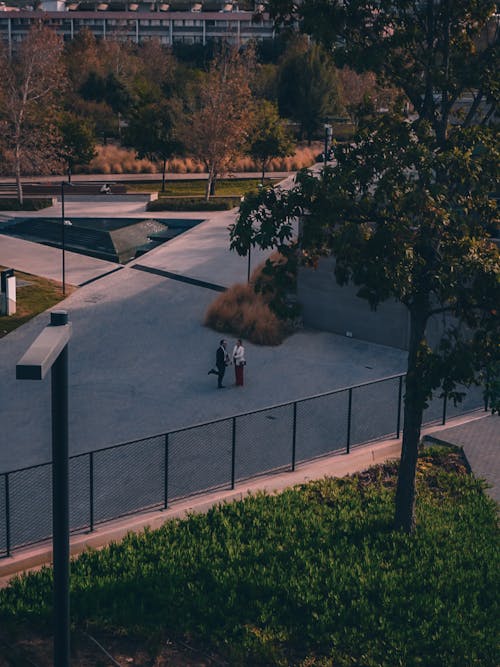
(32, 299)
(313, 576)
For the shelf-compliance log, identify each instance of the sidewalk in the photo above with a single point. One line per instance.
(480, 440)
(338, 465)
(45, 262)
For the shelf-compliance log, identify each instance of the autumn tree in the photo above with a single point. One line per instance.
(220, 114)
(269, 137)
(408, 210)
(31, 81)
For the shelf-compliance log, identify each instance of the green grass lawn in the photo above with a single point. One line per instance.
(229, 187)
(314, 576)
(32, 299)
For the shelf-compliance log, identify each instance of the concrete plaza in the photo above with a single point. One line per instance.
(139, 354)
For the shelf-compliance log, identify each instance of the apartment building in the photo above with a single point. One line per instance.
(190, 23)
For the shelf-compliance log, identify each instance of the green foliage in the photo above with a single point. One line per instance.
(277, 282)
(193, 204)
(269, 138)
(152, 132)
(77, 139)
(312, 576)
(308, 89)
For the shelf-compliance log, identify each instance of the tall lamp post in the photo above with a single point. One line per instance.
(63, 237)
(328, 141)
(50, 352)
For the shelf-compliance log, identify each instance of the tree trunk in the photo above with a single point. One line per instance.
(263, 173)
(213, 184)
(414, 400)
(69, 174)
(164, 169)
(208, 188)
(17, 167)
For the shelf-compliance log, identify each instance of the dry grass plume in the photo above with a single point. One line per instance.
(111, 159)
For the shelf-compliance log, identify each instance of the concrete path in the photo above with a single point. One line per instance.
(41, 260)
(480, 440)
(140, 353)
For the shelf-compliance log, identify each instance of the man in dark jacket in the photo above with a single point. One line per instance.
(221, 361)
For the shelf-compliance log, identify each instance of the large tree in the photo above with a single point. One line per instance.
(408, 210)
(409, 220)
(220, 114)
(31, 81)
(435, 51)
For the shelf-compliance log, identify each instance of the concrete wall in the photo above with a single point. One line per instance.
(328, 306)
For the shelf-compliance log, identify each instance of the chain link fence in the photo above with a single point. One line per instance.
(153, 472)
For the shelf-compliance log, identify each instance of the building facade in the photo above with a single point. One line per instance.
(139, 23)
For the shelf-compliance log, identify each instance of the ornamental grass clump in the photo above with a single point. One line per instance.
(259, 311)
(242, 312)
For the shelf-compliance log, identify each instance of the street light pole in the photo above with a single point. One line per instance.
(50, 352)
(328, 137)
(63, 235)
(249, 260)
(63, 183)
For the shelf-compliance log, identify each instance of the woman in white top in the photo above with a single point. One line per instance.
(239, 362)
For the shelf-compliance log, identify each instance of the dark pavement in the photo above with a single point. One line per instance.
(480, 440)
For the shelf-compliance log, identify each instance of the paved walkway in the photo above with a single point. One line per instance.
(41, 260)
(480, 440)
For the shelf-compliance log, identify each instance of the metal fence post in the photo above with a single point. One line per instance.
(445, 401)
(400, 396)
(294, 434)
(486, 384)
(233, 453)
(7, 514)
(349, 414)
(91, 490)
(165, 475)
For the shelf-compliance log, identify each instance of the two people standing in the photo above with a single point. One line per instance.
(222, 359)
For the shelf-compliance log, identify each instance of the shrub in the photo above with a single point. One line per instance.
(242, 312)
(193, 204)
(28, 204)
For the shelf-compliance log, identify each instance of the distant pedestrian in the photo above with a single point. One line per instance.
(105, 189)
(239, 362)
(221, 361)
